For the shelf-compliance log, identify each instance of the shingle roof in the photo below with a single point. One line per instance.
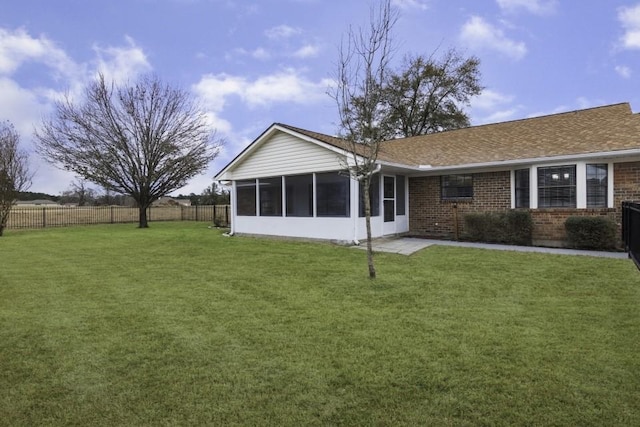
(600, 129)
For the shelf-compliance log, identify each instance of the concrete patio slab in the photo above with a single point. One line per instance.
(410, 245)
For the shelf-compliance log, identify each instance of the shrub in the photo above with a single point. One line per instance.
(591, 232)
(510, 227)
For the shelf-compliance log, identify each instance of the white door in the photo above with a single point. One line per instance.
(389, 204)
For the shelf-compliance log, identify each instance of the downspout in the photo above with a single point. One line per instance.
(356, 217)
(232, 199)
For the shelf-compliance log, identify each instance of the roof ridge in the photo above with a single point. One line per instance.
(581, 110)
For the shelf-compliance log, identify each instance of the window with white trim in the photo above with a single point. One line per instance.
(557, 186)
(597, 185)
(522, 188)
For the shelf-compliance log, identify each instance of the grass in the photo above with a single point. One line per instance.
(178, 325)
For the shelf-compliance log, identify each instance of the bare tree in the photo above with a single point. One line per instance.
(14, 171)
(363, 65)
(144, 140)
(80, 193)
(428, 95)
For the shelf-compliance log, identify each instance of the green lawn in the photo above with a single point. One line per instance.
(178, 325)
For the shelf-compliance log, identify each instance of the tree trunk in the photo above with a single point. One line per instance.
(367, 217)
(4, 216)
(142, 222)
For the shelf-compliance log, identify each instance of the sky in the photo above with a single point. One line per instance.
(251, 63)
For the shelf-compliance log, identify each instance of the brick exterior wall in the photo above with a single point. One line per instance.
(430, 216)
(548, 224)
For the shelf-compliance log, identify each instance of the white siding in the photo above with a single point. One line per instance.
(284, 154)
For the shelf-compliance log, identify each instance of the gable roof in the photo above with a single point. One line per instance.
(599, 130)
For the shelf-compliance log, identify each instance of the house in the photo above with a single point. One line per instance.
(171, 201)
(291, 182)
(36, 203)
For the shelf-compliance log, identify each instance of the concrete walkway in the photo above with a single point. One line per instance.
(409, 245)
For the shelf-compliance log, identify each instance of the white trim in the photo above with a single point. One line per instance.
(314, 197)
(283, 195)
(234, 204)
(533, 187)
(610, 186)
(581, 185)
(512, 182)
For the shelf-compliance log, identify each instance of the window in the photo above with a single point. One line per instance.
(400, 196)
(270, 196)
(597, 186)
(374, 196)
(456, 186)
(557, 186)
(246, 197)
(332, 195)
(299, 195)
(522, 188)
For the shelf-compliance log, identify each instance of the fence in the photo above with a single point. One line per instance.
(631, 230)
(61, 216)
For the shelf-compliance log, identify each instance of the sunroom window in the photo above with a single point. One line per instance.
(374, 196)
(270, 196)
(299, 195)
(332, 195)
(246, 197)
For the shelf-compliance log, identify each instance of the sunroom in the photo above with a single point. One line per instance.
(287, 183)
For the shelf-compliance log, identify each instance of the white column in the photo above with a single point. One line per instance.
(581, 185)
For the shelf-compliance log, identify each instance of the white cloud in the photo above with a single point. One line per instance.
(260, 53)
(494, 107)
(284, 86)
(307, 51)
(623, 71)
(122, 63)
(501, 115)
(282, 32)
(18, 47)
(410, 4)
(629, 17)
(21, 106)
(479, 34)
(537, 7)
(490, 99)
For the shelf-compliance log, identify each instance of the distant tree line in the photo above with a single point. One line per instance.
(212, 195)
